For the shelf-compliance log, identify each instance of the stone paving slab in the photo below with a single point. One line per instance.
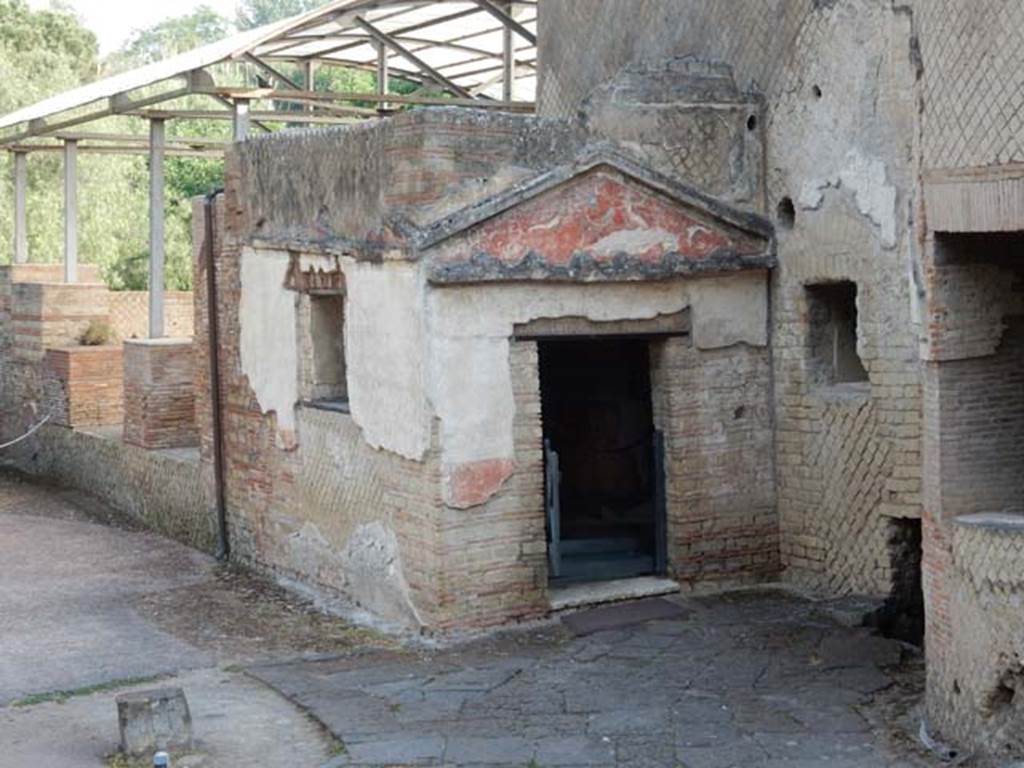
(748, 679)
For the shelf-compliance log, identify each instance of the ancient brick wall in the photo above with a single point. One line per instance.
(160, 489)
(129, 314)
(976, 661)
(848, 455)
(41, 316)
(360, 182)
(846, 460)
(714, 408)
(330, 510)
(972, 109)
(586, 43)
(974, 480)
(84, 385)
(971, 57)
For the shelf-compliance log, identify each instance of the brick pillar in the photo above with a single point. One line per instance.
(159, 393)
(84, 385)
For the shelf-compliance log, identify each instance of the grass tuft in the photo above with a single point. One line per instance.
(61, 696)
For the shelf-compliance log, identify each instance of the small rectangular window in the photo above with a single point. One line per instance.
(326, 331)
(832, 318)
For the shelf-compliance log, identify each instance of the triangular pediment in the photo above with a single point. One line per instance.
(601, 218)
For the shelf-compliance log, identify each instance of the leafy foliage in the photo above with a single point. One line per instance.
(169, 38)
(46, 52)
(256, 13)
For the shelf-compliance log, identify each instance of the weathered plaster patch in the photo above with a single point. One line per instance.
(865, 178)
(876, 198)
(385, 353)
(373, 574)
(730, 310)
(267, 342)
(812, 193)
(470, 327)
(368, 569)
(472, 396)
(468, 485)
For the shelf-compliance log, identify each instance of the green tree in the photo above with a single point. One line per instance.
(184, 178)
(256, 13)
(41, 53)
(169, 38)
(48, 52)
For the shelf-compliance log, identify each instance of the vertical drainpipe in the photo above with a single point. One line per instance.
(213, 345)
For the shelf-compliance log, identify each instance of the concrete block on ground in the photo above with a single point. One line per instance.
(154, 719)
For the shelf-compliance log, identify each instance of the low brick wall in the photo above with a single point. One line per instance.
(84, 385)
(159, 393)
(161, 489)
(54, 315)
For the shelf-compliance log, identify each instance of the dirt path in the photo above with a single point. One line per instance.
(89, 609)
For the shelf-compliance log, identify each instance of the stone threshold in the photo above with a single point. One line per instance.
(597, 592)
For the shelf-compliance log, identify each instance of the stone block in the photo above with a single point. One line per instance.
(154, 719)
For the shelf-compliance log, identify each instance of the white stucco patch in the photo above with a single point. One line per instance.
(470, 381)
(730, 310)
(865, 179)
(373, 574)
(812, 193)
(472, 394)
(267, 343)
(385, 356)
(369, 568)
(876, 198)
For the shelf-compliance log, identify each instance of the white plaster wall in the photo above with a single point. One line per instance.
(385, 355)
(267, 342)
(385, 350)
(469, 327)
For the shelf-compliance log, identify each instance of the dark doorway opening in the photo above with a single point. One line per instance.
(901, 617)
(603, 476)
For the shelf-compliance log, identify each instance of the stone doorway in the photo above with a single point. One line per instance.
(603, 473)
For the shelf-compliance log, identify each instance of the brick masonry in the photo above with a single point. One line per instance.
(714, 410)
(84, 385)
(159, 393)
(974, 473)
(129, 314)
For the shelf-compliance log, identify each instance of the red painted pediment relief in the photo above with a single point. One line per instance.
(591, 222)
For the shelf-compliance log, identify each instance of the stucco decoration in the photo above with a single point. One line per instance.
(598, 220)
(267, 339)
(385, 356)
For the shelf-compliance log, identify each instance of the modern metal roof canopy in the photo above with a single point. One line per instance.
(480, 53)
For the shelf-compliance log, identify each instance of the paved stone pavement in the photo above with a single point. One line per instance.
(746, 679)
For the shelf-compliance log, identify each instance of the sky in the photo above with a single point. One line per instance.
(114, 20)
